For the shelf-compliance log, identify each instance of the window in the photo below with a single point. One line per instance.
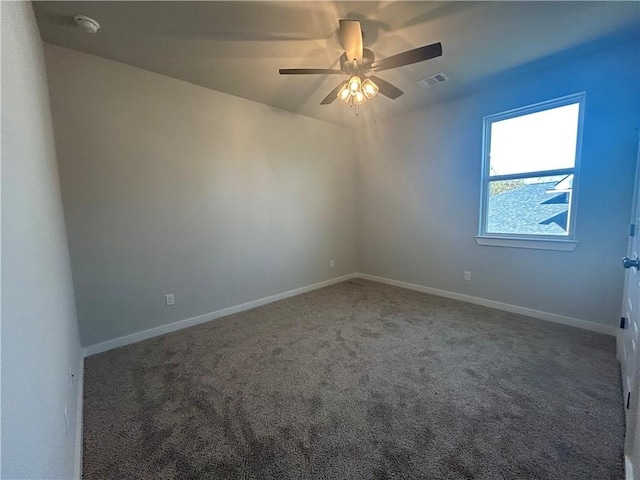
(530, 174)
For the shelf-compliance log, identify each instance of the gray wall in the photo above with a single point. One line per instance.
(40, 341)
(419, 191)
(173, 188)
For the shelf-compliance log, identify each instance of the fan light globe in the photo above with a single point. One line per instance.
(369, 88)
(355, 83)
(360, 98)
(344, 93)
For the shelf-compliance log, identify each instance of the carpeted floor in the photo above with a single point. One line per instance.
(358, 381)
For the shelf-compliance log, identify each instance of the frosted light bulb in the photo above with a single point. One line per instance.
(369, 88)
(344, 93)
(354, 84)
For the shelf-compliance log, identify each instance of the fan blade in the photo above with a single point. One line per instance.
(351, 37)
(407, 58)
(309, 71)
(333, 94)
(385, 88)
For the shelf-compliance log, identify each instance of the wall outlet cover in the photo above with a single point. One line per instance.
(66, 420)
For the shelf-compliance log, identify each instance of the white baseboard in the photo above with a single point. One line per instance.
(190, 322)
(77, 473)
(550, 317)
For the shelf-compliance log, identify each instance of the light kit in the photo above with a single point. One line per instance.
(356, 92)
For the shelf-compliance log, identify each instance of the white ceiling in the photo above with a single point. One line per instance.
(238, 47)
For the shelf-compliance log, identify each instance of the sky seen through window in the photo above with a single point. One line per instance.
(535, 142)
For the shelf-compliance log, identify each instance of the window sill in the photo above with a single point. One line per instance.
(534, 243)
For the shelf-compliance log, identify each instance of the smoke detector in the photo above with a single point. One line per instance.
(88, 23)
(432, 80)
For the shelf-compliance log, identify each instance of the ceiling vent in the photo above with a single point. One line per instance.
(432, 80)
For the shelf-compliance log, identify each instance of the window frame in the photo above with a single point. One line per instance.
(528, 240)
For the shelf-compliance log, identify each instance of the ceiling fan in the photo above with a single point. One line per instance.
(358, 63)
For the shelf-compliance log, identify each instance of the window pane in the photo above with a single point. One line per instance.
(535, 142)
(538, 206)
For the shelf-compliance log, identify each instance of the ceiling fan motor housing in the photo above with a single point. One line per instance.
(348, 67)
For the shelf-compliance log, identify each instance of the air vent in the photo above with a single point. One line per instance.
(432, 80)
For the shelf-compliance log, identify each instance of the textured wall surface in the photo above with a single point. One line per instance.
(419, 191)
(40, 341)
(173, 188)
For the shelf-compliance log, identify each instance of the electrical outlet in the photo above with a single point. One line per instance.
(169, 300)
(467, 276)
(66, 420)
(332, 264)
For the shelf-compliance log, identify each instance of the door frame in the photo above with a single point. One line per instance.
(632, 413)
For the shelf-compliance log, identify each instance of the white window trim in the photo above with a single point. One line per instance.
(542, 242)
(534, 243)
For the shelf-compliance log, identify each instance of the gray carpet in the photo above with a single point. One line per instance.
(358, 381)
